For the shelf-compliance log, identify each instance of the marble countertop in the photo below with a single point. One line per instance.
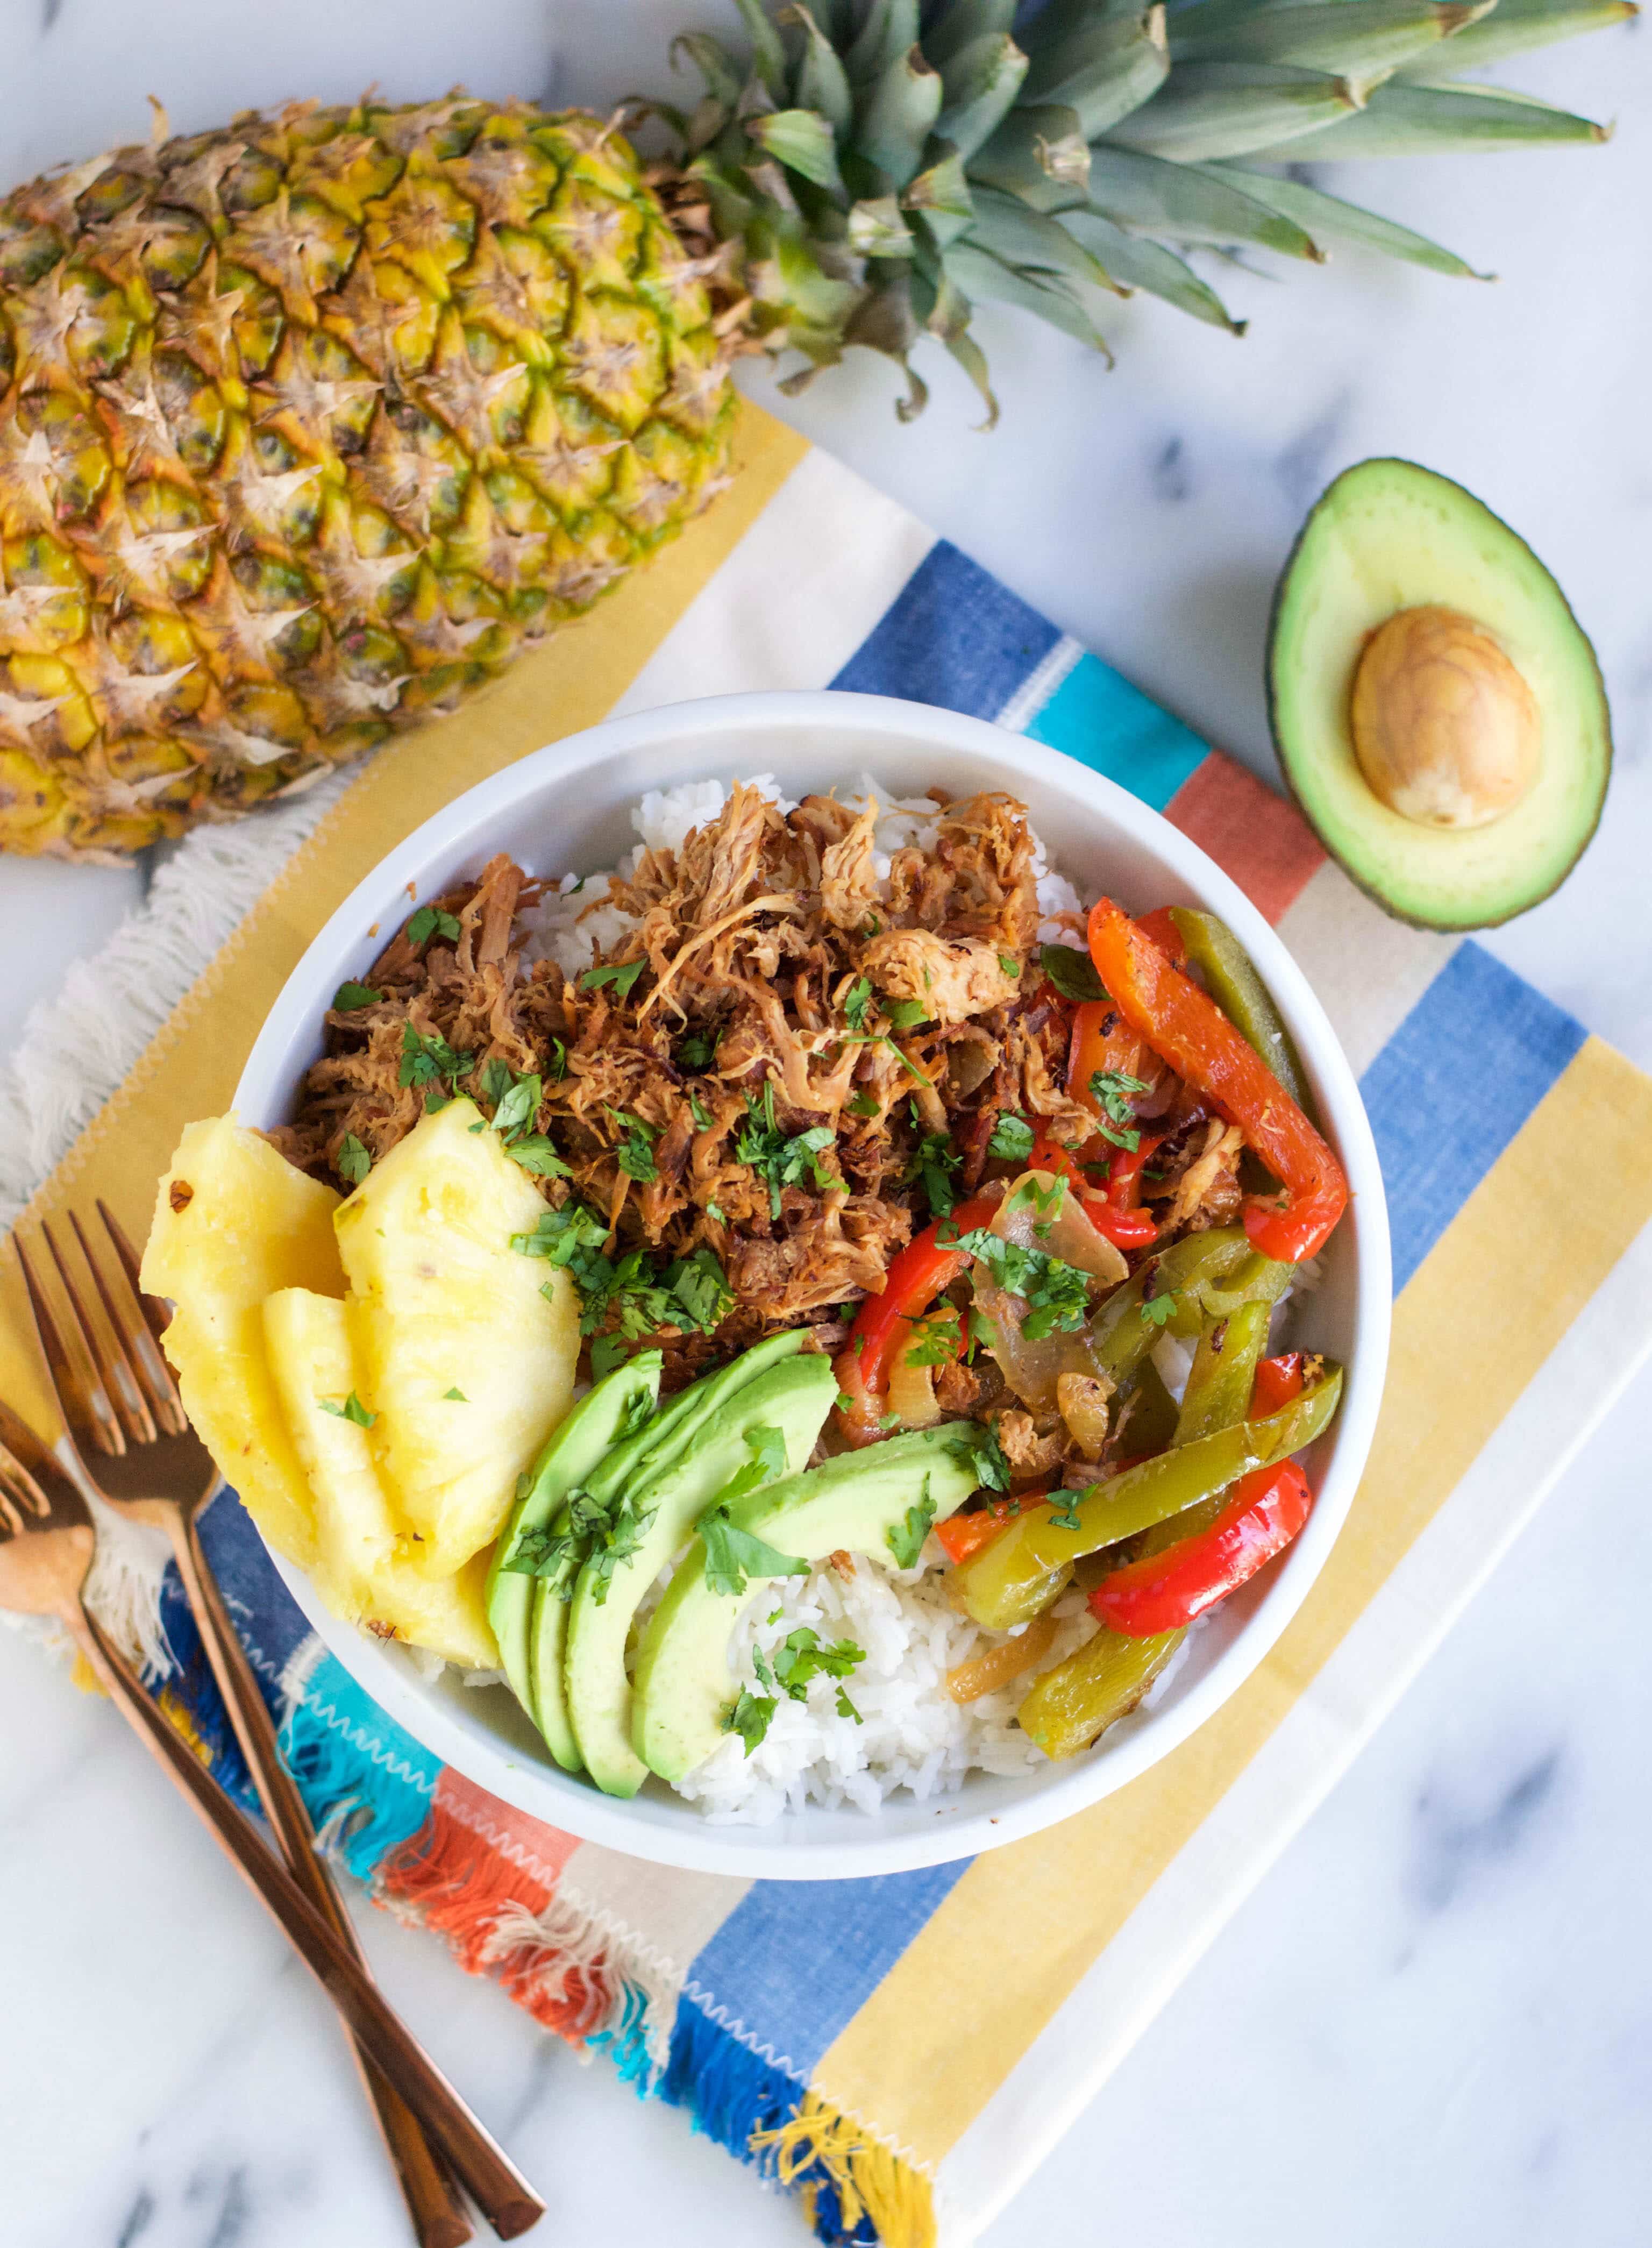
(1434, 2020)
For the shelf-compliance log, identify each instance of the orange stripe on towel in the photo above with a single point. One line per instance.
(1266, 845)
(485, 1876)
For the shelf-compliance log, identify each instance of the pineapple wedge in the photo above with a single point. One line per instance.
(362, 1568)
(234, 1221)
(441, 1302)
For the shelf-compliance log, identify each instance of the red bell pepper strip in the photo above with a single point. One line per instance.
(1160, 925)
(1279, 1380)
(914, 1278)
(1165, 1591)
(1126, 1229)
(963, 1534)
(1191, 1033)
(1124, 1176)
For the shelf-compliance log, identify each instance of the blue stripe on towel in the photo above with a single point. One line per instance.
(1112, 727)
(953, 637)
(1452, 1087)
(855, 1929)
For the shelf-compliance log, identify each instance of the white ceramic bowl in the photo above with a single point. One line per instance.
(567, 807)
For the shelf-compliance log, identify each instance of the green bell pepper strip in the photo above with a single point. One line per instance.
(1065, 1708)
(1239, 991)
(1224, 1371)
(1007, 1582)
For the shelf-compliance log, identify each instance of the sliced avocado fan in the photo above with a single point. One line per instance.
(1437, 709)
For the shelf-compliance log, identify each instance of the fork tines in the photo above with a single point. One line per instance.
(114, 1385)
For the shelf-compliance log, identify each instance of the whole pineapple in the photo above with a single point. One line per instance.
(308, 425)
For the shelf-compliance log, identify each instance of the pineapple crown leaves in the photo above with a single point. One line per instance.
(879, 168)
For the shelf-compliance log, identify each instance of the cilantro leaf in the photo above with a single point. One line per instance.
(536, 1153)
(861, 1104)
(991, 1468)
(750, 1717)
(847, 1708)
(635, 1152)
(428, 1060)
(779, 1159)
(936, 1341)
(1009, 964)
(455, 1396)
(695, 1051)
(1011, 1141)
(906, 1541)
(803, 1654)
(701, 1113)
(349, 997)
(351, 1408)
(698, 1285)
(623, 974)
(856, 1000)
(933, 1162)
(606, 1352)
(1064, 1509)
(353, 1162)
(1110, 1090)
(519, 1104)
(905, 1014)
(1159, 1310)
(428, 922)
(1072, 972)
(1056, 1294)
(734, 1556)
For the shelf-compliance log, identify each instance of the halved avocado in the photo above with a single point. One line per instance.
(1483, 669)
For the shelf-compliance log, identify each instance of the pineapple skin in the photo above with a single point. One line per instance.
(308, 428)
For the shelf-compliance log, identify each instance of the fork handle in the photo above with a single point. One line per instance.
(500, 2190)
(439, 2217)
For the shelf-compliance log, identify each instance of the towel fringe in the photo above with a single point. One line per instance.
(869, 2191)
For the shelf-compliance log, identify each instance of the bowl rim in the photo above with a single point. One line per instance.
(694, 1843)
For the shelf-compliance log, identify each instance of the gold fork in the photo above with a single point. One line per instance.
(123, 1411)
(46, 1547)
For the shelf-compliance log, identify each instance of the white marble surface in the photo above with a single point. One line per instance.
(1434, 2021)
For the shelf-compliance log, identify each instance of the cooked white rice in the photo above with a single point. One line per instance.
(912, 1734)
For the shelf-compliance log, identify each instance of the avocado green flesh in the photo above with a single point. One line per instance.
(1389, 536)
(574, 1453)
(793, 1397)
(662, 1440)
(682, 1689)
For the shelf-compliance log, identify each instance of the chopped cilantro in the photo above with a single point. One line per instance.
(435, 1098)
(750, 1717)
(701, 1113)
(428, 1060)
(353, 1161)
(990, 1466)
(1009, 964)
(351, 1408)
(515, 1100)
(623, 974)
(635, 1152)
(455, 1397)
(734, 1556)
(1011, 1141)
(936, 1341)
(905, 1539)
(1110, 1090)
(1072, 972)
(1064, 1509)
(803, 1654)
(428, 922)
(695, 1051)
(861, 1104)
(1056, 1294)
(606, 1352)
(856, 1000)
(349, 997)
(933, 1160)
(780, 1160)
(536, 1153)
(699, 1286)
(1159, 1310)
(905, 1014)
(714, 1210)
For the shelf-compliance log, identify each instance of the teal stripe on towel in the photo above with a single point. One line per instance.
(350, 1758)
(1112, 727)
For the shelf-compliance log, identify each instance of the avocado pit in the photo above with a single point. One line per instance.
(1446, 731)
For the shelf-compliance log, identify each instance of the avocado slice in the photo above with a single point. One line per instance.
(614, 1409)
(1389, 538)
(659, 1441)
(857, 1504)
(666, 1501)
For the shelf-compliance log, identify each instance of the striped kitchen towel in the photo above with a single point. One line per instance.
(902, 2051)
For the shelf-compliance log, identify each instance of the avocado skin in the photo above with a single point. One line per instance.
(794, 1397)
(1276, 727)
(851, 1502)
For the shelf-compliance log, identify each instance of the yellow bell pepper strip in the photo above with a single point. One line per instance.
(1165, 1591)
(914, 1278)
(1064, 1711)
(1234, 984)
(1189, 1031)
(1007, 1582)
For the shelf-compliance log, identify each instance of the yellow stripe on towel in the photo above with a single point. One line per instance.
(1481, 1315)
(190, 1068)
